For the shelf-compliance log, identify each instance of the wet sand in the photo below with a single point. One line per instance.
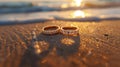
(97, 45)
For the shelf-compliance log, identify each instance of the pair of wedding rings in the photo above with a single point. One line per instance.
(67, 30)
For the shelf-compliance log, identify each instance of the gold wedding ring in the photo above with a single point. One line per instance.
(70, 30)
(50, 30)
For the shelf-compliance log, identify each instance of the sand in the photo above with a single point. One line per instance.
(97, 45)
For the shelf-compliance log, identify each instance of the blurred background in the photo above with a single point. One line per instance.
(31, 10)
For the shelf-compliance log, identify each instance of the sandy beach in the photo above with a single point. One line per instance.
(97, 45)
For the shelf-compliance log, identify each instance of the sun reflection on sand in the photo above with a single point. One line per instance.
(41, 46)
(67, 41)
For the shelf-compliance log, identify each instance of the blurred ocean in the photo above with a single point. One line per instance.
(25, 11)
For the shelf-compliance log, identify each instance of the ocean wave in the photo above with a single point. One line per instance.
(77, 14)
(28, 7)
(89, 19)
(15, 4)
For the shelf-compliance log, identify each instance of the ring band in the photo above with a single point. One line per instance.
(50, 30)
(70, 30)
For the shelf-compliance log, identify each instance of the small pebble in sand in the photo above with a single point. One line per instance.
(106, 35)
(89, 53)
(44, 61)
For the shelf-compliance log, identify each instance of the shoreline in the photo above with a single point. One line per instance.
(89, 19)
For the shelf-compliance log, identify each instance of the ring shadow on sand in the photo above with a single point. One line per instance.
(31, 59)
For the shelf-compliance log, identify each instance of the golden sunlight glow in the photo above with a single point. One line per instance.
(78, 2)
(72, 3)
(78, 14)
(64, 6)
